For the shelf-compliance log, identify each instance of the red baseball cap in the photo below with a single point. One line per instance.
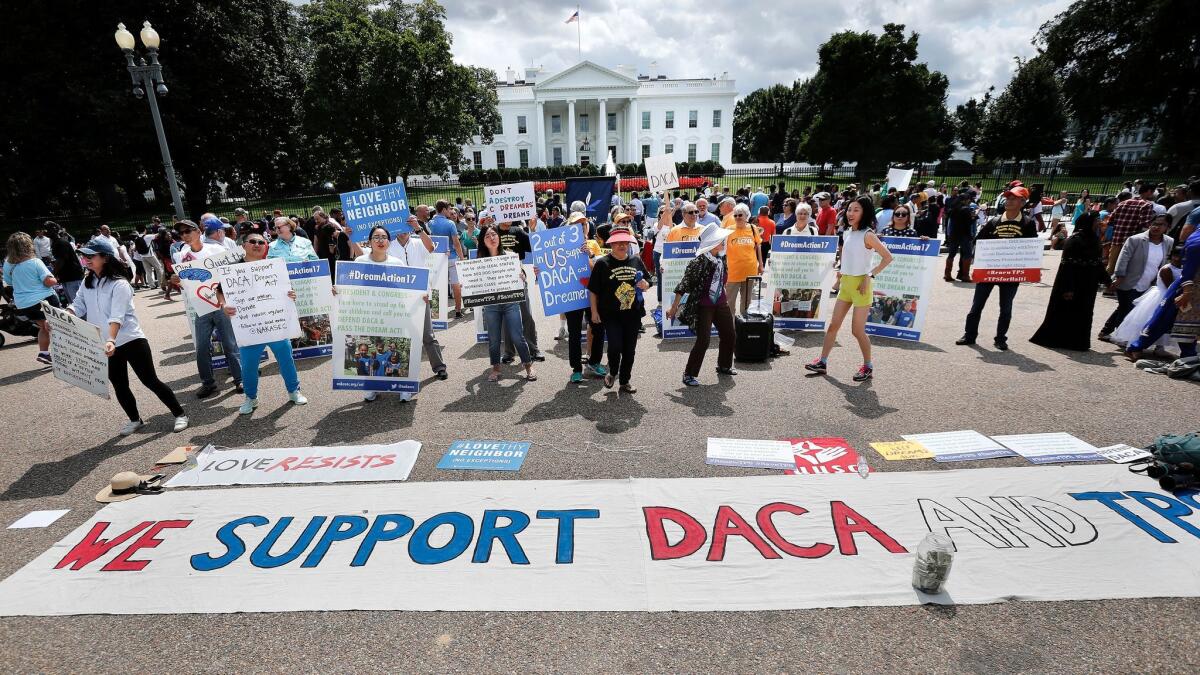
(1017, 191)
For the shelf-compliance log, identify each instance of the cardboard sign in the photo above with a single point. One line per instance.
(77, 351)
(271, 466)
(562, 268)
(750, 452)
(485, 456)
(513, 202)
(386, 205)
(801, 276)
(899, 179)
(493, 280)
(959, 446)
(380, 322)
(823, 455)
(661, 174)
(198, 280)
(314, 306)
(259, 292)
(900, 293)
(1007, 260)
(900, 450)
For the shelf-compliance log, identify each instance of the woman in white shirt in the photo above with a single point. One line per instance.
(804, 227)
(105, 299)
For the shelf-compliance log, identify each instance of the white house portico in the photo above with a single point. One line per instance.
(579, 115)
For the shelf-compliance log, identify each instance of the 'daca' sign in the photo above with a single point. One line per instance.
(661, 174)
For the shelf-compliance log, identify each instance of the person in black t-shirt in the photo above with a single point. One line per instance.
(615, 290)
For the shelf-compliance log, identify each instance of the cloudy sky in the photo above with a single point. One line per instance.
(758, 43)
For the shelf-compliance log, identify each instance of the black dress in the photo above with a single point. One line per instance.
(1068, 322)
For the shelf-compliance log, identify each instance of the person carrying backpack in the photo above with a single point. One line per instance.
(959, 220)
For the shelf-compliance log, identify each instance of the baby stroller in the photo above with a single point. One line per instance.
(12, 323)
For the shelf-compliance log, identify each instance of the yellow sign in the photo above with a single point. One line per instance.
(902, 450)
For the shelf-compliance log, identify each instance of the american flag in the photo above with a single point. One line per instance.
(574, 17)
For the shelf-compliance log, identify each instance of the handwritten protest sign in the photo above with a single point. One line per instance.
(77, 350)
(661, 174)
(515, 201)
(562, 265)
(386, 205)
(199, 282)
(491, 281)
(259, 292)
(1007, 260)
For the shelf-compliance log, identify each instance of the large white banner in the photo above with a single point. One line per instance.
(801, 276)
(901, 292)
(258, 291)
(512, 202)
(314, 305)
(690, 544)
(493, 280)
(269, 466)
(380, 321)
(77, 351)
(198, 280)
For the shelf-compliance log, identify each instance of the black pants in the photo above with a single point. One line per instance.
(1008, 291)
(1124, 307)
(622, 333)
(575, 321)
(136, 354)
(722, 316)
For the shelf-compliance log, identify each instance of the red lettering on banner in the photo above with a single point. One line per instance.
(92, 546)
(351, 462)
(694, 534)
(326, 462)
(122, 563)
(284, 464)
(366, 463)
(847, 522)
(1004, 276)
(729, 523)
(385, 460)
(768, 528)
(306, 463)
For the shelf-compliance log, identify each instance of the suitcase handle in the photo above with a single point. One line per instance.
(758, 282)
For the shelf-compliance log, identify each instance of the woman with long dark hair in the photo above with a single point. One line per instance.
(106, 300)
(858, 243)
(32, 283)
(505, 317)
(1068, 322)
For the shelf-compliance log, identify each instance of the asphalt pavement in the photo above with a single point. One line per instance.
(60, 446)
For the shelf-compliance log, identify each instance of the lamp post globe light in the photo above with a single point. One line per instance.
(148, 81)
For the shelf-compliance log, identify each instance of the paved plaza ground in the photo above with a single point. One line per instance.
(60, 446)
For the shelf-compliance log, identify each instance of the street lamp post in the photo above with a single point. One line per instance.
(148, 81)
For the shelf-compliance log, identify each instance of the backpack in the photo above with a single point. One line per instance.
(140, 245)
(1174, 461)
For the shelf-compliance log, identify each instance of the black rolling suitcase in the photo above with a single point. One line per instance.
(755, 330)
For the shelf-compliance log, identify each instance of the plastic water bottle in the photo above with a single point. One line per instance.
(931, 568)
(862, 468)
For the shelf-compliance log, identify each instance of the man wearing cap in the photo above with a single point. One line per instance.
(1011, 224)
(826, 216)
(214, 232)
(195, 248)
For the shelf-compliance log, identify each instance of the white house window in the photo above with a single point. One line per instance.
(716, 152)
(583, 123)
(612, 121)
(477, 160)
(557, 154)
(693, 118)
(670, 119)
(669, 148)
(556, 124)
(499, 159)
(691, 152)
(645, 119)
(645, 151)
(521, 124)
(716, 119)
(523, 154)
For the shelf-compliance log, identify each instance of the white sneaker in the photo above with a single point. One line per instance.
(132, 427)
(181, 423)
(370, 396)
(248, 406)
(297, 398)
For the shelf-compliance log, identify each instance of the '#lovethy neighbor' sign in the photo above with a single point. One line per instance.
(698, 544)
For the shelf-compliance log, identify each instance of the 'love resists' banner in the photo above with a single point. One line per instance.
(696, 544)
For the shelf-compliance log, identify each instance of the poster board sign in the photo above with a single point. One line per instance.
(513, 202)
(750, 452)
(674, 260)
(562, 267)
(485, 456)
(259, 292)
(900, 294)
(379, 325)
(661, 173)
(1007, 260)
(1087, 532)
(899, 179)
(198, 280)
(823, 456)
(1122, 454)
(274, 466)
(77, 351)
(1047, 448)
(959, 446)
(901, 450)
(438, 263)
(493, 280)
(314, 306)
(801, 276)
(386, 205)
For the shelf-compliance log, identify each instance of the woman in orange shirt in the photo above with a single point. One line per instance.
(744, 256)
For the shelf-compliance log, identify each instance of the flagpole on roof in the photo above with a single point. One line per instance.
(579, 35)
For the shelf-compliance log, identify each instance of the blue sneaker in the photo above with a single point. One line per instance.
(576, 378)
(691, 381)
(597, 370)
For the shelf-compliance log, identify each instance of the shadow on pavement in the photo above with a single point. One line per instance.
(491, 397)
(1010, 358)
(26, 375)
(479, 350)
(359, 419)
(1093, 358)
(245, 430)
(861, 399)
(617, 414)
(707, 400)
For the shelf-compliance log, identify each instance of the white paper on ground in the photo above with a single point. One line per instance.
(1122, 454)
(750, 452)
(1052, 447)
(38, 519)
(959, 446)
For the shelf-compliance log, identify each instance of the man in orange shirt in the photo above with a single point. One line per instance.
(766, 228)
(689, 229)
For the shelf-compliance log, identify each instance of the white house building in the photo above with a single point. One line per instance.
(578, 115)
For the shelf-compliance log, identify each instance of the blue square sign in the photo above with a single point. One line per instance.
(485, 456)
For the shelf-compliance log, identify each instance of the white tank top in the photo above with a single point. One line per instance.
(856, 257)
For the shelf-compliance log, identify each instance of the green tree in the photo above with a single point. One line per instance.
(968, 121)
(1027, 120)
(384, 94)
(876, 103)
(1134, 62)
(761, 123)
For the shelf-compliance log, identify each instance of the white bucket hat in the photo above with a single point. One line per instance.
(711, 237)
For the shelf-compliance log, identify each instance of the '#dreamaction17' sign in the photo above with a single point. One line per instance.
(1089, 532)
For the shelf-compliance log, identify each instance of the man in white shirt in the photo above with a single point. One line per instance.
(41, 247)
(195, 248)
(616, 198)
(122, 252)
(413, 252)
(214, 232)
(639, 210)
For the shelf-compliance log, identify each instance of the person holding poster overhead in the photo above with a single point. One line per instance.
(105, 300)
(703, 284)
(858, 243)
(615, 291)
(256, 249)
(504, 317)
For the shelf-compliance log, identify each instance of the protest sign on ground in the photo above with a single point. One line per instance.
(661, 174)
(491, 281)
(823, 455)
(750, 452)
(271, 466)
(259, 292)
(1034, 533)
(1122, 454)
(77, 351)
(198, 280)
(386, 205)
(801, 276)
(512, 202)
(378, 327)
(1007, 260)
(485, 456)
(562, 268)
(1047, 448)
(959, 446)
(900, 293)
(314, 305)
(898, 450)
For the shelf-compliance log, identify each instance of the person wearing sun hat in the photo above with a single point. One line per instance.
(704, 283)
(615, 290)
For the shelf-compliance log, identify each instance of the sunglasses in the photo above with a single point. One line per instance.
(899, 215)
(739, 215)
(690, 213)
(256, 242)
(88, 256)
(470, 220)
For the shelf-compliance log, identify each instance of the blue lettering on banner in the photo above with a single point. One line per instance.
(383, 276)
(1110, 499)
(799, 244)
(893, 332)
(485, 455)
(489, 532)
(386, 205)
(376, 384)
(422, 553)
(561, 265)
(308, 269)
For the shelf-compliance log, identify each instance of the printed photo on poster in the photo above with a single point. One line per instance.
(801, 276)
(900, 294)
(380, 319)
(314, 304)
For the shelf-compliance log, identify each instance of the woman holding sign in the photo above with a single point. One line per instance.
(255, 245)
(105, 300)
(858, 243)
(505, 317)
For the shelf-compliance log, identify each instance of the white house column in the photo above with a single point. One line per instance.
(635, 129)
(541, 134)
(571, 132)
(602, 132)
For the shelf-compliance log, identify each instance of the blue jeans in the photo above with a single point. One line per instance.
(282, 349)
(71, 288)
(506, 317)
(205, 325)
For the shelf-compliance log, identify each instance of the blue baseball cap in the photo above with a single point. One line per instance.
(212, 224)
(99, 246)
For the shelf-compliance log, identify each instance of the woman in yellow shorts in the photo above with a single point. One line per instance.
(858, 244)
